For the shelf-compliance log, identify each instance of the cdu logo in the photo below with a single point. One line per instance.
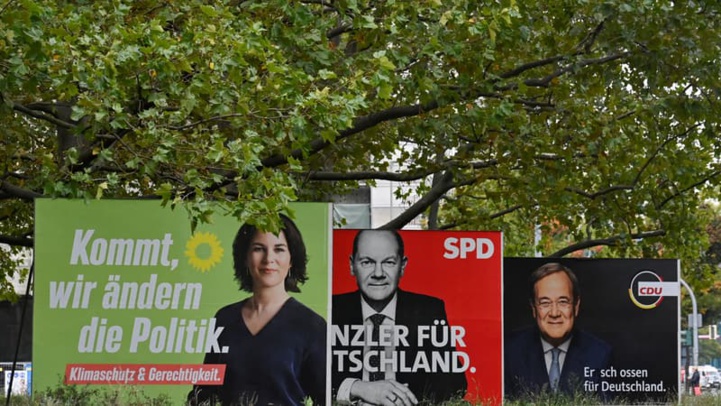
(648, 289)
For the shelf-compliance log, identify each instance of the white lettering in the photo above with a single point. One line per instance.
(121, 251)
(179, 336)
(462, 247)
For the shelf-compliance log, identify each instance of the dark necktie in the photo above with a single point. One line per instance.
(376, 319)
(554, 375)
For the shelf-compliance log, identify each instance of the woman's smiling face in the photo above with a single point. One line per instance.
(269, 259)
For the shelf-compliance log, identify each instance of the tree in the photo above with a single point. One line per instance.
(600, 117)
(709, 350)
(704, 271)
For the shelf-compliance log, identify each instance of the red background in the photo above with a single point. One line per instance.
(470, 287)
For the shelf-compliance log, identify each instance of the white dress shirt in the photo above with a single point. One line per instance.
(343, 395)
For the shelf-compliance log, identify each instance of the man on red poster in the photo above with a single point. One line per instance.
(396, 327)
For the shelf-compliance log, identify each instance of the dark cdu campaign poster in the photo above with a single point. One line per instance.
(416, 315)
(604, 328)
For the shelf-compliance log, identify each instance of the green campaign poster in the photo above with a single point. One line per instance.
(126, 294)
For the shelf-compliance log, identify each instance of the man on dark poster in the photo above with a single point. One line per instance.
(613, 324)
(554, 355)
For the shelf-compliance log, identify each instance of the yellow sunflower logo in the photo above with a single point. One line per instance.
(203, 251)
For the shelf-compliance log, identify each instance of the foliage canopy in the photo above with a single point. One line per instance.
(595, 117)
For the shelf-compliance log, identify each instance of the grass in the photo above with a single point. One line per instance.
(77, 395)
(706, 399)
(132, 396)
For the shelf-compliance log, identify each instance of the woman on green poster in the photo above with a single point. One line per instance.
(276, 345)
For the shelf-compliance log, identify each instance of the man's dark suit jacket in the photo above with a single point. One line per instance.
(525, 366)
(412, 310)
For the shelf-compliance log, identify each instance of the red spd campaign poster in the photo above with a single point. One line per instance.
(416, 315)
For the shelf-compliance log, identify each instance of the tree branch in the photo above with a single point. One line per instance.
(367, 175)
(207, 120)
(583, 47)
(87, 156)
(643, 168)
(363, 123)
(545, 81)
(588, 41)
(371, 120)
(38, 113)
(396, 176)
(339, 30)
(6, 6)
(445, 183)
(505, 211)
(492, 216)
(18, 192)
(594, 195)
(17, 241)
(360, 124)
(611, 241)
(659, 149)
(700, 182)
(531, 65)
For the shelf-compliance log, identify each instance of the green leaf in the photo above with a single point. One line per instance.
(208, 11)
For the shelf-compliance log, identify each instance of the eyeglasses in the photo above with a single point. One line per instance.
(562, 304)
